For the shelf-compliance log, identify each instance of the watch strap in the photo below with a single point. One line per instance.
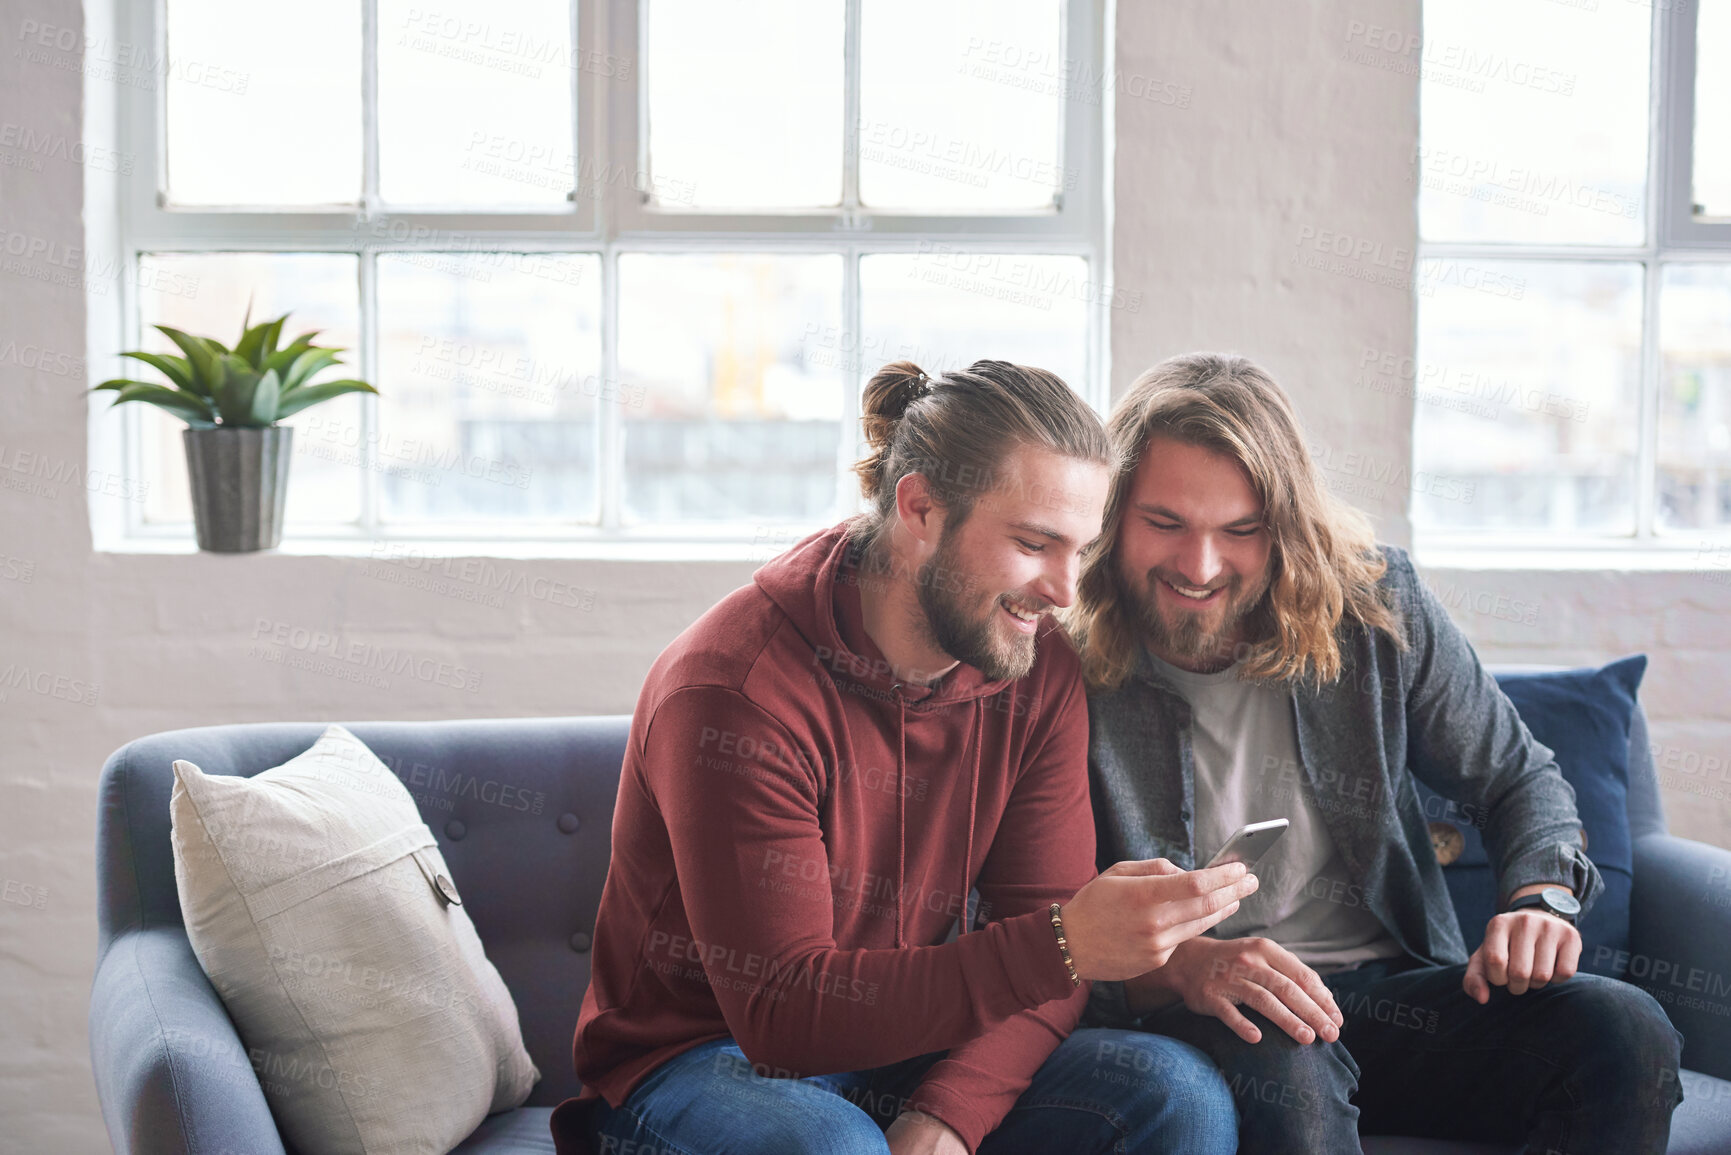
(1537, 902)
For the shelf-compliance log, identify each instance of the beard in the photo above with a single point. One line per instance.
(1205, 640)
(964, 628)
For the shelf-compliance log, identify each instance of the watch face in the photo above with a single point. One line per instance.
(1561, 901)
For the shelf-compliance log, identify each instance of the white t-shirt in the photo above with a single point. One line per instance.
(1244, 747)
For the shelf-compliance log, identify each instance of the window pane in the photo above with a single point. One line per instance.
(946, 309)
(1713, 108)
(489, 374)
(960, 104)
(1525, 395)
(1695, 397)
(208, 298)
(1533, 119)
(741, 422)
(475, 102)
(264, 105)
(745, 102)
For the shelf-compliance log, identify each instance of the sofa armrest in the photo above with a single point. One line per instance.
(171, 1072)
(1680, 942)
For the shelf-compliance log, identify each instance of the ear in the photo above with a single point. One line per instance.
(917, 510)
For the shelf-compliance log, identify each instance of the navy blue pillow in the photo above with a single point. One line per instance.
(1584, 717)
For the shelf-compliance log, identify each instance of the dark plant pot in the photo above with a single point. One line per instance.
(239, 486)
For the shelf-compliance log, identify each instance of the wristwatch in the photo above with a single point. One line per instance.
(1552, 900)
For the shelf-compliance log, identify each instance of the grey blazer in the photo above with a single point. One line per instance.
(1429, 711)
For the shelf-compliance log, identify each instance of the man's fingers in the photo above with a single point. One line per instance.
(1179, 909)
(1495, 949)
(1215, 877)
(1523, 940)
(1473, 982)
(1185, 931)
(1240, 1026)
(1277, 1013)
(1569, 955)
(1546, 942)
(1288, 964)
(1297, 1000)
(1223, 902)
(1133, 868)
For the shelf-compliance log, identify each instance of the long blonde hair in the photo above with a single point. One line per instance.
(1324, 564)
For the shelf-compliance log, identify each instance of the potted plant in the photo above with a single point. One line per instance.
(237, 456)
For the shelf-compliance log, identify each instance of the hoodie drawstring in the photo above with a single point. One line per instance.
(902, 811)
(973, 799)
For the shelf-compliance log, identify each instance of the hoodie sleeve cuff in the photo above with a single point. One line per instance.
(955, 1112)
(1032, 960)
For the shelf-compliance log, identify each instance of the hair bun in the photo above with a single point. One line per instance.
(887, 396)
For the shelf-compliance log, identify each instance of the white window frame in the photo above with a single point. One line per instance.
(608, 125)
(1673, 236)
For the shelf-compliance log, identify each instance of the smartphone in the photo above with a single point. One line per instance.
(1250, 842)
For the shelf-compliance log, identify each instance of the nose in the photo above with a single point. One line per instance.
(1058, 583)
(1199, 559)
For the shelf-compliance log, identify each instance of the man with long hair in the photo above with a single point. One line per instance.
(1252, 653)
(819, 772)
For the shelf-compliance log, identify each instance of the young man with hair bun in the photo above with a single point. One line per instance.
(819, 772)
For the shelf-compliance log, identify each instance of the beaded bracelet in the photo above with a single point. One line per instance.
(1064, 946)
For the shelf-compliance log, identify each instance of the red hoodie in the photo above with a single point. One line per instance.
(796, 834)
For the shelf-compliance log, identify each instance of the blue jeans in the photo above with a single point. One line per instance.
(1580, 1067)
(1100, 1091)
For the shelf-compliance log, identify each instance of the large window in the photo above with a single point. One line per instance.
(619, 270)
(1573, 369)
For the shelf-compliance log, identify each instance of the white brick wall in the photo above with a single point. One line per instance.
(1278, 134)
(1679, 620)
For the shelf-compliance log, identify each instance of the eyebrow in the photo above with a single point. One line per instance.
(1047, 531)
(1162, 511)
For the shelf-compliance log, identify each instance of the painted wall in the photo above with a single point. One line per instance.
(1245, 143)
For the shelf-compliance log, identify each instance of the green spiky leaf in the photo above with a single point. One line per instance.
(308, 365)
(272, 332)
(176, 369)
(188, 407)
(250, 343)
(205, 372)
(284, 357)
(234, 398)
(265, 398)
(306, 395)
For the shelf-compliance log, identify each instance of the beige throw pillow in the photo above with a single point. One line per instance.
(319, 905)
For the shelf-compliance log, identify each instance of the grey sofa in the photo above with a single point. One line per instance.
(522, 809)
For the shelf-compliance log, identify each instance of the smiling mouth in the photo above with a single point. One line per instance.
(1026, 618)
(1198, 594)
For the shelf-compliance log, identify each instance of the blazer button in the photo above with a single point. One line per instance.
(568, 823)
(454, 830)
(580, 942)
(449, 891)
(1185, 815)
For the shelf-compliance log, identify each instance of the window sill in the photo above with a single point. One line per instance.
(753, 547)
(1661, 556)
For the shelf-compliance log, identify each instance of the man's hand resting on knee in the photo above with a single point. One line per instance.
(1216, 977)
(1523, 950)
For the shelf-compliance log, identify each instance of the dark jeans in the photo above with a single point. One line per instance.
(1100, 1091)
(1582, 1066)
